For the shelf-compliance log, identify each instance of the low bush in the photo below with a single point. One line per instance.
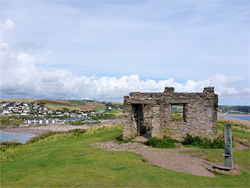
(166, 142)
(40, 137)
(205, 143)
(120, 140)
(6, 121)
(77, 132)
(236, 123)
(4, 145)
(107, 116)
(77, 123)
(10, 144)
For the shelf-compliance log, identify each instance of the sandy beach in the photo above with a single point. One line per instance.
(234, 114)
(38, 130)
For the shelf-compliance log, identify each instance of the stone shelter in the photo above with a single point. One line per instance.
(171, 114)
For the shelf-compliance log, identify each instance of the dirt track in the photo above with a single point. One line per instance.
(166, 158)
(172, 159)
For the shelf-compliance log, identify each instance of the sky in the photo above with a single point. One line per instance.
(104, 49)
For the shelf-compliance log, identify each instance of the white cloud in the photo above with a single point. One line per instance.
(7, 26)
(21, 78)
(25, 58)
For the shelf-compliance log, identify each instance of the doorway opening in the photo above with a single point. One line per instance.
(138, 115)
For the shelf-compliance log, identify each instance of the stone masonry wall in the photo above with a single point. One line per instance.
(200, 114)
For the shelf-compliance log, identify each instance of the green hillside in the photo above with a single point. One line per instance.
(82, 105)
(234, 109)
(71, 160)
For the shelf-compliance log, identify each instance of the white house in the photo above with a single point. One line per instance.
(85, 115)
(24, 114)
(6, 112)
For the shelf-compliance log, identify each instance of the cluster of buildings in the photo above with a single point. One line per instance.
(37, 113)
(14, 108)
(36, 109)
(42, 121)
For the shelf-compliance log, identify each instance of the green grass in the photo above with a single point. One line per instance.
(63, 106)
(177, 115)
(100, 108)
(240, 157)
(116, 113)
(195, 153)
(79, 123)
(238, 131)
(107, 116)
(246, 143)
(6, 145)
(72, 105)
(7, 121)
(199, 155)
(119, 103)
(70, 160)
(78, 102)
(111, 115)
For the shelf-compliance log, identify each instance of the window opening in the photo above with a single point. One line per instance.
(177, 112)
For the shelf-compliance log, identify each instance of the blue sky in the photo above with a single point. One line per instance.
(105, 49)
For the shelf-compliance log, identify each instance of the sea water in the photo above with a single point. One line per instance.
(11, 136)
(244, 117)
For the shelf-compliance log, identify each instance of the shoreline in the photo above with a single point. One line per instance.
(24, 131)
(234, 114)
(38, 130)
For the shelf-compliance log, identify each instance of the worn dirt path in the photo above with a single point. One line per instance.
(240, 146)
(166, 158)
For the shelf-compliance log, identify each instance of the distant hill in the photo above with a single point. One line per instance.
(83, 105)
(234, 109)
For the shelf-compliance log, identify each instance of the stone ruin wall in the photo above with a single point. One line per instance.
(200, 111)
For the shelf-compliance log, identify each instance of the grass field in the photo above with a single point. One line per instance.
(112, 115)
(177, 116)
(78, 102)
(56, 104)
(19, 100)
(6, 121)
(100, 108)
(70, 160)
(239, 131)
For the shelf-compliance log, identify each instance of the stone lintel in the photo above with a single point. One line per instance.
(139, 102)
(177, 101)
